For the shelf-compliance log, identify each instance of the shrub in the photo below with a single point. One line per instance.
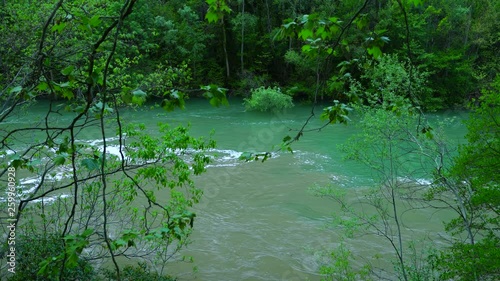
(31, 251)
(141, 271)
(268, 99)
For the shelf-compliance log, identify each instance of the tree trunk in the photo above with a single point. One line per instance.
(242, 34)
(224, 42)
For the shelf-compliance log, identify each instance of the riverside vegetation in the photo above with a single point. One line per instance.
(130, 194)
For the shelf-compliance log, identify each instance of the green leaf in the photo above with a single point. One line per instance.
(288, 25)
(94, 21)
(59, 160)
(416, 3)
(17, 163)
(59, 27)
(216, 95)
(63, 85)
(42, 86)
(68, 94)
(16, 90)
(374, 51)
(333, 19)
(305, 33)
(91, 164)
(212, 17)
(67, 71)
(87, 232)
(138, 97)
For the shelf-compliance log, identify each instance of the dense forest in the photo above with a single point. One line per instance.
(392, 62)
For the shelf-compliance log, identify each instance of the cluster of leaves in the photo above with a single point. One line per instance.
(398, 146)
(473, 182)
(139, 272)
(268, 99)
(388, 84)
(133, 201)
(338, 266)
(32, 251)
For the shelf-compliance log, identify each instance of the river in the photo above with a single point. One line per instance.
(260, 221)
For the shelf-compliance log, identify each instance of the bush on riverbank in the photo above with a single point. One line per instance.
(268, 99)
(32, 251)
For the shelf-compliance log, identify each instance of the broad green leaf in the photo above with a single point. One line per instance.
(374, 51)
(67, 93)
(215, 94)
(305, 33)
(67, 71)
(16, 90)
(138, 97)
(416, 3)
(306, 48)
(59, 160)
(290, 24)
(212, 17)
(94, 21)
(333, 19)
(59, 27)
(91, 164)
(42, 86)
(321, 32)
(87, 232)
(17, 163)
(65, 84)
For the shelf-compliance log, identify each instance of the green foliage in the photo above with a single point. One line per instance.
(336, 113)
(479, 160)
(474, 183)
(216, 10)
(338, 266)
(388, 84)
(70, 256)
(268, 100)
(464, 261)
(216, 95)
(36, 253)
(422, 264)
(165, 49)
(140, 272)
(88, 57)
(391, 147)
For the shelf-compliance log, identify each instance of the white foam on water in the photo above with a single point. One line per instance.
(230, 158)
(221, 165)
(227, 154)
(423, 182)
(96, 141)
(51, 199)
(316, 160)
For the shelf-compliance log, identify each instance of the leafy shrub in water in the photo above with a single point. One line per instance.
(268, 99)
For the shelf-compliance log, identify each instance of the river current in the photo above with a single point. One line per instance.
(261, 221)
